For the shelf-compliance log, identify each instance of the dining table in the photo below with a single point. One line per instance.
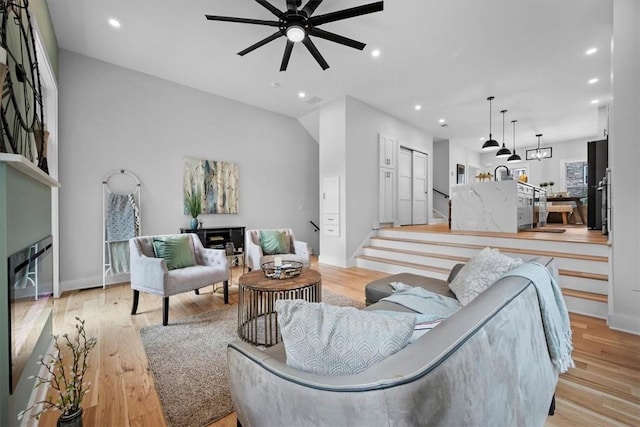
(574, 199)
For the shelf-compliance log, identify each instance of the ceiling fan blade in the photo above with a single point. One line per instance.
(347, 13)
(262, 42)
(270, 7)
(311, 6)
(287, 55)
(292, 5)
(336, 38)
(242, 20)
(314, 51)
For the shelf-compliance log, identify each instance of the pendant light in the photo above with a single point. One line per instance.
(504, 151)
(491, 144)
(539, 154)
(514, 158)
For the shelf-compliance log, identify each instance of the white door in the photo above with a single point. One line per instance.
(405, 202)
(419, 184)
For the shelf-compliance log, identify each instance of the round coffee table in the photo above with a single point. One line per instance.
(257, 295)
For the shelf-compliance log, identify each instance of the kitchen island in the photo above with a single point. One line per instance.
(497, 206)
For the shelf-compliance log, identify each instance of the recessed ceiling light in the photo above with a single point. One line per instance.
(591, 51)
(595, 101)
(441, 121)
(482, 138)
(418, 107)
(301, 94)
(275, 85)
(114, 23)
(375, 53)
(593, 80)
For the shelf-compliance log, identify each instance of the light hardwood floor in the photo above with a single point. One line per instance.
(603, 389)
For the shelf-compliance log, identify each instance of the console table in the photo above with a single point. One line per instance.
(218, 237)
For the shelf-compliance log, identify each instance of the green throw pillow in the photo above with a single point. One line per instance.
(175, 250)
(274, 242)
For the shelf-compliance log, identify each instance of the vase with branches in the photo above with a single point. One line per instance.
(193, 203)
(65, 368)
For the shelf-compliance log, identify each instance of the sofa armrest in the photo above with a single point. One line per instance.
(254, 253)
(301, 249)
(148, 273)
(214, 258)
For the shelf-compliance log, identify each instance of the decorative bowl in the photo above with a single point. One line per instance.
(287, 270)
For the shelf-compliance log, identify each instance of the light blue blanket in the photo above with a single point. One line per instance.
(555, 316)
(430, 305)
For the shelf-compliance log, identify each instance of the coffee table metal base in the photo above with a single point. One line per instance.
(257, 296)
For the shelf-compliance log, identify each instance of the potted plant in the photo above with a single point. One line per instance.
(193, 203)
(66, 367)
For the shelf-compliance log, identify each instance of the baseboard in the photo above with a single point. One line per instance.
(624, 323)
(91, 282)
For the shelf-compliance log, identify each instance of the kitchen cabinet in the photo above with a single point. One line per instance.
(387, 194)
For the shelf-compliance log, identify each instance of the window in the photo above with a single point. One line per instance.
(576, 178)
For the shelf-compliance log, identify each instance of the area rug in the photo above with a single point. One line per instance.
(188, 360)
(547, 230)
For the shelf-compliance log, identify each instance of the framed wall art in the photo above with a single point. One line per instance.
(216, 182)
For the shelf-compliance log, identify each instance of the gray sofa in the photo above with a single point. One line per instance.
(488, 364)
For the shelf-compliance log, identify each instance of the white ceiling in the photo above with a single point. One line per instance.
(447, 55)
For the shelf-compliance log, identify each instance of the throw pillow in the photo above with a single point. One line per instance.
(274, 242)
(482, 271)
(176, 251)
(329, 340)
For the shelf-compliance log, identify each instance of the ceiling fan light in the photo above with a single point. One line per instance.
(296, 33)
(503, 152)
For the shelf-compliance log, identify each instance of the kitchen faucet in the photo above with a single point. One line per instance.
(495, 172)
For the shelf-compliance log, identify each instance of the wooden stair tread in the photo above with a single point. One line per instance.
(445, 271)
(419, 253)
(500, 248)
(583, 275)
(585, 295)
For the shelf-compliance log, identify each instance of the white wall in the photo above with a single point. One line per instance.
(113, 118)
(463, 156)
(624, 158)
(544, 170)
(332, 159)
(349, 132)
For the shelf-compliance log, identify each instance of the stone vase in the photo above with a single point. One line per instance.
(71, 420)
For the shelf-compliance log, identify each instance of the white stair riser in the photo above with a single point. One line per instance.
(569, 247)
(587, 285)
(412, 258)
(395, 269)
(586, 307)
(425, 247)
(585, 266)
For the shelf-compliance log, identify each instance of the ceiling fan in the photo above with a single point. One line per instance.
(297, 25)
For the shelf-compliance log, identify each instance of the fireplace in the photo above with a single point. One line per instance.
(30, 280)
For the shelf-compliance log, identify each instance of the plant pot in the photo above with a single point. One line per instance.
(71, 420)
(194, 223)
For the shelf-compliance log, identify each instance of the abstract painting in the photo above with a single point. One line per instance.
(216, 182)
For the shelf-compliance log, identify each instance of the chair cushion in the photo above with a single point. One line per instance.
(482, 271)
(176, 251)
(274, 242)
(329, 340)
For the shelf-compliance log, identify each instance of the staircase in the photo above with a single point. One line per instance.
(582, 266)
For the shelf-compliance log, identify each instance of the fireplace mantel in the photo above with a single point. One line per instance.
(20, 163)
